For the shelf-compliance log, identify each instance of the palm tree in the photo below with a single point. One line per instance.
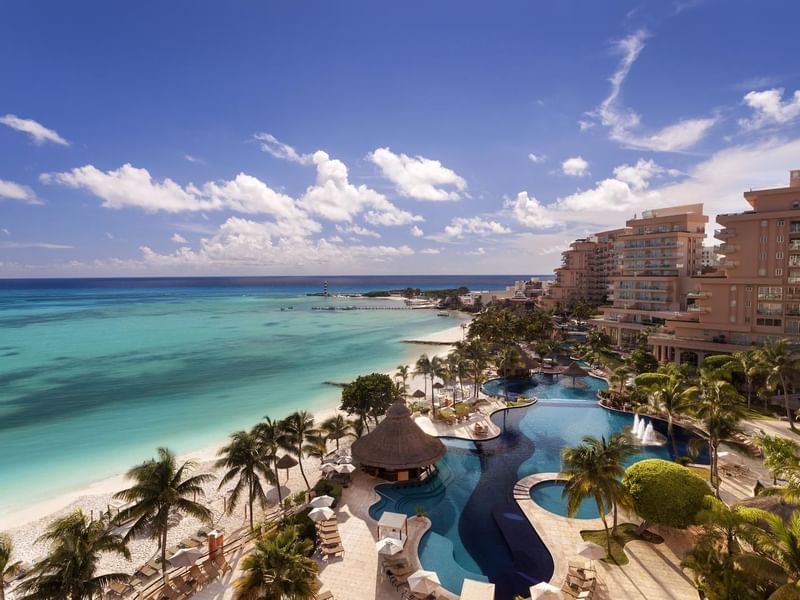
(69, 571)
(357, 428)
(271, 438)
(781, 364)
(747, 363)
(719, 410)
(403, 371)
(477, 357)
(161, 488)
(316, 447)
(299, 427)
(7, 568)
(619, 377)
(669, 394)
(776, 551)
(614, 454)
(335, 428)
(588, 476)
(507, 358)
(244, 460)
(423, 367)
(279, 568)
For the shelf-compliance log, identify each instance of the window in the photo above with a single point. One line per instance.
(781, 222)
(770, 293)
(792, 326)
(763, 239)
(769, 308)
(778, 272)
(780, 239)
(762, 271)
(794, 260)
(769, 322)
(794, 275)
(764, 223)
(795, 204)
(779, 255)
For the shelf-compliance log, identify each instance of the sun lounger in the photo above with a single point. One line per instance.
(147, 571)
(324, 596)
(211, 570)
(173, 594)
(333, 550)
(191, 542)
(222, 564)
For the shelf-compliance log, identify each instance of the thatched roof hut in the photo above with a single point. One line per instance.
(397, 449)
(574, 370)
(418, 394)
(286, 462)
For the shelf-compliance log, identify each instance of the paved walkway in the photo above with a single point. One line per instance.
(653, 572)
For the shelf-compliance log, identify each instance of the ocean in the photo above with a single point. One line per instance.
(95, 374)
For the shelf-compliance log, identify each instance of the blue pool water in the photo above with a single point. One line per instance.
(548, 495)
(477, 528)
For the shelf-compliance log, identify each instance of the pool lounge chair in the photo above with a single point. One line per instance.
(324, 596)
(329, 551)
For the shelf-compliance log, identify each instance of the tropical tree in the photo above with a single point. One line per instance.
(244, 460)
(316, 447)
(423, 367)
(8, 569)
(69, 571)
(748, 364)
(369, 396)
(279, 568)
(780, 453)
(476, 356)
(299, 428)
(271, 439)
(614, 453)
(403, 371)
(335, 428)
(438, 370)
(161, 488)
(642, 360)
(781, 365)
(776, 552)
(719, 410)
(670, 394)
(357, 428)
(619, 377)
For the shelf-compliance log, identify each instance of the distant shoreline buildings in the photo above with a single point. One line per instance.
(654, 277)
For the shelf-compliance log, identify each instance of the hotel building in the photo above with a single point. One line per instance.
(585, 272)
(657, 255)
(756, 296)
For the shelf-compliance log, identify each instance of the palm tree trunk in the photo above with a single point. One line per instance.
(749, 385)
(786, 403)
(164, 552)
(252, 493)
(602, 514)
(302, 471)
(2, 590)
(278, 484)
(671, 436)
(715, 471)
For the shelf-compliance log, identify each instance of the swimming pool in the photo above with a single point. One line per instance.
(548, 495)
(478, 530)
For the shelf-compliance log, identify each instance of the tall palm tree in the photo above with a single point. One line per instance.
(244, 460)
(279, 568)
(747, 363)
(69, 571)
(161, 488)
(588, 476)
(614, 453)
(271, 438)
(403, 371)
(776, 552)
(316, 447)
(719, 410)
(357, 428)
(299, 427)
(7, 568)
(669, 393)
(423, 367)
(619, 377)
(335, 428)
(438, 370)
(781, 365)
(476, 355)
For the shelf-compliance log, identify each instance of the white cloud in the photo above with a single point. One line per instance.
(585, 125)
(460, 227)
(42, 245)
(770, 109)
(528, 211)
(178, 239)
(416, 231)
(357, 230)
(37, 132)
(110, 236)
(192, 159)
(14, 191)
(575, 166)
(430, 251)
(271, 145)
(477, 252)
(624, 123)
(536, 158)
(638, 175)
(419, 177)
(5, 231)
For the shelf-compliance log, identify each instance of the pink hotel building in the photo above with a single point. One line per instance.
(657, 285)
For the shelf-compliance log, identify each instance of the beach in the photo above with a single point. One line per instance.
(28, 523)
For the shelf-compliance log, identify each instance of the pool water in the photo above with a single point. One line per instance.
(478, 530)
(548, 495)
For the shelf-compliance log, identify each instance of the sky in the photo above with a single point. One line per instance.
(347, 137)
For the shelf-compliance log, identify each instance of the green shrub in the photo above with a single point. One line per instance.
(326, 487)
(299, 498)
(305, 526)
(664, 492)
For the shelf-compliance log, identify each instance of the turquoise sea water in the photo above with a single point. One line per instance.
(93, 379)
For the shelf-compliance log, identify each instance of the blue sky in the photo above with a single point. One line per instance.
(190, 137)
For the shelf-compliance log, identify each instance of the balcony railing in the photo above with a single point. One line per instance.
(729, 263)
(698, 294)
(725, 233)
(728, 248)
(695, 308)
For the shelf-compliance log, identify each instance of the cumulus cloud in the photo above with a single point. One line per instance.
(769, 108)
(416, 231)
(38, 133)
(477, 252)
(575, 166)
(178, 239)
(430, 251)
(271, 145)
(357, 230)
(460, 227)
(624, 124)
(419, 177)
(21, 193)
(528, 211)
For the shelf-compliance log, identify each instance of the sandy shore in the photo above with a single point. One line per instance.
(27, 524)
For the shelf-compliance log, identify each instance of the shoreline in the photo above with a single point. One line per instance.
(98, 493)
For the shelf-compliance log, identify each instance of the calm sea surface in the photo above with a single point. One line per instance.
(95, 374)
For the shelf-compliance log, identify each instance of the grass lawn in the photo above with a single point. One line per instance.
(626, 532)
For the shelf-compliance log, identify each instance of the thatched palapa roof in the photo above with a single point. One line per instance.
(286, 462)
(397, 443)
(574, 370)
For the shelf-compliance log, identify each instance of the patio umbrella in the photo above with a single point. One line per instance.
(545, 591)
(438, 385)
(286, 462)
(418, 394)
(590, 550)
(477, 590)
(321, 514)
(424, 582)
(389, 546)
(328, 467)
(345, 468)
(185, 557)
(322, 502)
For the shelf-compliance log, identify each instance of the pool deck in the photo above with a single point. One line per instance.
(653, 572)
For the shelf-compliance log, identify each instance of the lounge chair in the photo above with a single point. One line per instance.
(222, 564)
(191, 542)
(325, 596)
(332, 550)
(147, 571)
(211, 570)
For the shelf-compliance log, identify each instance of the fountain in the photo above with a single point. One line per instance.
(649, 436)
(643, 433)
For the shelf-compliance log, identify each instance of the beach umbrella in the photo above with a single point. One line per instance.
(424, 582)
(345, 468)
(389, 546)
(185, 557)
(286, 462)
(328, 467)
(418, 394)
(590, 550)
(438, 385)
(344, 459)
(322, 502)
(321, 514)
(545, 591)
(476, 590)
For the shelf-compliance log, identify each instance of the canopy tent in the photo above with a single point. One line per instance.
(477, 590)
(395, 523)
(185, 557)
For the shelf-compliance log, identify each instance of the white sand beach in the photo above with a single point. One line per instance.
(27, 524)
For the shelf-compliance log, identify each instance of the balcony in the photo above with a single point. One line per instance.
(729, 264)
(695, 308)
(698, 294)
(728, 248)
(726, 233)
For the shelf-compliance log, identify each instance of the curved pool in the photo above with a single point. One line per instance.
(477, 529)
(548, 495)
